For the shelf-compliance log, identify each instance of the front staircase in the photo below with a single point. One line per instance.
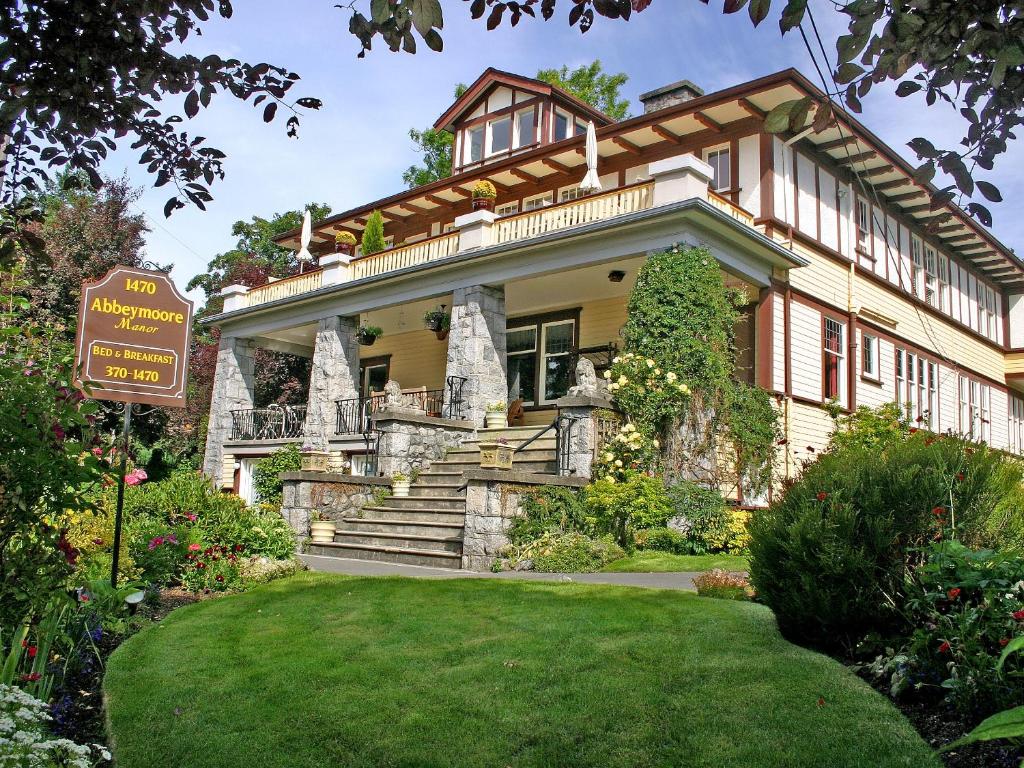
(426, 527)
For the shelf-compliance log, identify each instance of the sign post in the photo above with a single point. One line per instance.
(132, 347)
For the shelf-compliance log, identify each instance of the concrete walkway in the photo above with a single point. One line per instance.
(682, 581)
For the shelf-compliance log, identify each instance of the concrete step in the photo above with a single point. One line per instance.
(453, 502)
(436, 488)
(434, 559)
(401, 540)
(512, 433)
(448, 516)
(543, 443)
(371, 525)
(546, 465)
(473, 457)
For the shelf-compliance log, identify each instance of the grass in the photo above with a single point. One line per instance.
(329, 670)
(663, 562)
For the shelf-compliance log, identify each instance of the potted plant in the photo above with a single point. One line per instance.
(345, 242)
(496, 455)
(496, 415)
(484, 195)
(368, 334)
(400, 485)
(439, 321)
(321, 527)
(314, 460)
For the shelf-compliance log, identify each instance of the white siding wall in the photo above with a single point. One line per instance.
(806, 351)
(807, 199)
(948, 401)
(779, 343)
(783, 181)
(1017, 320)
(829, 217)
(1000, 418)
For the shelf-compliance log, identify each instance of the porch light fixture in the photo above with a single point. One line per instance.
(616, 276)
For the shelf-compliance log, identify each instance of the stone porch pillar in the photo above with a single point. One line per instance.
(335, 376)
(476, 348)
(583, 431)
(232, 390)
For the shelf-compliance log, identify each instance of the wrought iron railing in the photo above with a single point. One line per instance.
(354, 416)
(275, 422)
(564, 427)
(371, 441)
(453, 399)
(601, 356)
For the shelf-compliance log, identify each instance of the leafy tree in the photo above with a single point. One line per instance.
(968, 55)
(373, 234)
(85, 233)
(589, 83)
(76, 76)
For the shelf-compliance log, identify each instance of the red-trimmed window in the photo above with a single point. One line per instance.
(834, 361)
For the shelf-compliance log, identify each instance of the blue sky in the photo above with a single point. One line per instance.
(355, 148)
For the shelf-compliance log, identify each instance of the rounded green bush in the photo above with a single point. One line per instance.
(830, 557)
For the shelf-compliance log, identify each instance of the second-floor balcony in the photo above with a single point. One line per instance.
(473, 233)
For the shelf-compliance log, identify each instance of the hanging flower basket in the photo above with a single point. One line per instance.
(368, 334)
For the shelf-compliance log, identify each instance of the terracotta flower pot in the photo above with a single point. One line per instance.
(483, 203)
(345, 249)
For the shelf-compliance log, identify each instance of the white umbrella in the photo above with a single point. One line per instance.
(307, 233)
(591, 182)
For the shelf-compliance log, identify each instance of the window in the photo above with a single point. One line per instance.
(1016, 424)
(916, 277)
(475, 144)
(540, 374)
(569, 193)
(500, 135)
(507, 209)
(931, 412)
(718, 159)
(869, 356)
(917, 382)
(975, 409)
(944, 284)
(561, 125)
(964, 394)
(834, 360)
(521, 346)
(373, 375)
(863, 225)
(526, 130)
(538, 201)
(931, 287)
(990, 312)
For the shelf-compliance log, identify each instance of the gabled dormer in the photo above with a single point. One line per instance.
(502, 114)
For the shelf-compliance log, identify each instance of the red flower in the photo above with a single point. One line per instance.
(960, 476)
(200, 565)
(98, 542)
(220, 578)
(239, 547)
(85, 598)
(954, 593)
(31, 678)
(938, 511)
(914, 430)
(1003, 642)
(32, 651)
(944, 648)
(783, 441)
(821, 496)
(1018, 615)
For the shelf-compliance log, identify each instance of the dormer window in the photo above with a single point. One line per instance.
(500, 135)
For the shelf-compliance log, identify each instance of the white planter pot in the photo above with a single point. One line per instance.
(494, 420)
(321, 530)
(400, 488)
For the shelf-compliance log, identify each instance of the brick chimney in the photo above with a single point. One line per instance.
(670, 95)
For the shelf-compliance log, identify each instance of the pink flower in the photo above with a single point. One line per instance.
(192, 517)
(194, 547)
(135, 477)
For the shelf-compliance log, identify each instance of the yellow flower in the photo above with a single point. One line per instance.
(656, 444)
(609, 456)
(650, 363)
(616, 359)
(618, 462)
(657, 371)
(607, 374)
(623, 381)
(671, 376)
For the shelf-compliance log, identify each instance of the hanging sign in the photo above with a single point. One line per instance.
(133, 337)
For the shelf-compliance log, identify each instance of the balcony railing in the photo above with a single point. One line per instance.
(285, 288)
(276, 422)
(729, 207)
(573, 214)
(355, 415)
(406, 256)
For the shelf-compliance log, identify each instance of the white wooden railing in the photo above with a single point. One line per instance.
(578, 212)
(284, 288)
(406, 256)
(727, 206)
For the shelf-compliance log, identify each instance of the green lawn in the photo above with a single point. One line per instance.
(663, 562)
(322, 670)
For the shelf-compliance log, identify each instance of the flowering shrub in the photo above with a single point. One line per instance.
(663, 540)
(91, 533)
(549, 509)
(646, 390)
(621, 508)
(963, 607)
(25, 740)
(734, 536)
(214, 569)
(629, 452)
(723, 585)
(266, 480)
(702, 515)
(564, 553)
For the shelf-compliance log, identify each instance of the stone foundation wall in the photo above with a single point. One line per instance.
(409, 442)
(492, 501)
(336, 495)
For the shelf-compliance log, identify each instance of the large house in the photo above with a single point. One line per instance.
(853, 296)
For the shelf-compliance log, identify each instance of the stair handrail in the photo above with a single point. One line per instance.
(553, 425)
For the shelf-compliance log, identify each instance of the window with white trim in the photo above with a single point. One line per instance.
(834, 361)
(869, 356)
(916, 270)
(507, 209)
(931, 277)
(499, 135)
(538, 201)
(526, 127)
(565, 125)
(721, 168)
(863, 225)
(975, 409)
(474, 146)
(539, 374)
(1016, 411)
(917, 389)
(944, 281)
(569, 193)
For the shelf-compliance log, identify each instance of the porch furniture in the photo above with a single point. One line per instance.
(516, 413)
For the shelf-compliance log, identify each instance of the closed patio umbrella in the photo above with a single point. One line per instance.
(591, 182)
(307, 233)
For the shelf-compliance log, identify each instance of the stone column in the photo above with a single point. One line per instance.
(679, 178)
(476, 348)
(232, 390)
(335, 376)
(581, 438)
